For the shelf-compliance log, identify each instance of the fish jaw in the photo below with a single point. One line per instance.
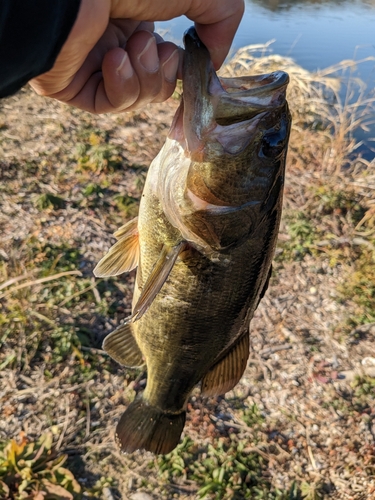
(226, 152)
(201, 91)
(210, 102)
(234, 133)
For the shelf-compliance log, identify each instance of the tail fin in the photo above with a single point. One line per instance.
(143, 426)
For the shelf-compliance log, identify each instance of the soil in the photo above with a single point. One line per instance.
(314, 423)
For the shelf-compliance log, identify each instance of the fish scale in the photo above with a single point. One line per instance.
(203, 242)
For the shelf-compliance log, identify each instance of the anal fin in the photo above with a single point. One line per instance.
(122, 347)
(123, 256)
(156, 279)
(226, 373)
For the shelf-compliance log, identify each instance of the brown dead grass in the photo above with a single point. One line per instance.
(316, 428)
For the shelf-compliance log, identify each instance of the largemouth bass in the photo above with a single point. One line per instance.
(203, 243)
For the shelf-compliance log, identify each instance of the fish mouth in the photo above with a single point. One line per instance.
(224, 101)
(246, 97)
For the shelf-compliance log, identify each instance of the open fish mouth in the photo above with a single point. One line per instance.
(246, 97)
(211, 103)
(225, 101)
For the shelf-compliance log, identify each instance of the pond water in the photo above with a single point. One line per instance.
(316, 34)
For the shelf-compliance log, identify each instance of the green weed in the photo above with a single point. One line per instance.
(302, 235)
(96, 155)
(53, 258)
(34, 470)
(222, 470)
(252, 415)
(140, 182)
(91, 189)
(312, 491)
(364, 386)
(49, 201)
(359, 289)
(329, 200)
(127, 204)
(97, 490)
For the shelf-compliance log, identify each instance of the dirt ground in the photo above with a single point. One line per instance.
(302, 419)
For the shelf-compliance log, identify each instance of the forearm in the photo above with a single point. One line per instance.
(32, 33)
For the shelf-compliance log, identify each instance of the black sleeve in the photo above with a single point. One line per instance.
(32, 33)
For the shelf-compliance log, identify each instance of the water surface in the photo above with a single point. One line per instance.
(316, 34)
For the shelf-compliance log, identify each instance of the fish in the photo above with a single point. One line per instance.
(202, 243)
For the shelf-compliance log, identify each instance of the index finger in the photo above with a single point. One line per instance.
(216, 21)
(217, 29)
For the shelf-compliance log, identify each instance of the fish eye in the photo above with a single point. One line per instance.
(273, 143)
(274, 140)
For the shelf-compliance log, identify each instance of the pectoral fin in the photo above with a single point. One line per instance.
(157, 278)
(124, 255)
(122, 346)
(225, 374)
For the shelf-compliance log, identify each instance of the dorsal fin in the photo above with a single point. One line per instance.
(131, 227)
(156, 279)
(124, 255)
(122, 347)
(226, 373)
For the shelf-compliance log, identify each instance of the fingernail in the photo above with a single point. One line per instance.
(170, 66)
(125, 68)
(149, 57)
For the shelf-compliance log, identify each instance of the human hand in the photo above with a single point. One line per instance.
(113, 61)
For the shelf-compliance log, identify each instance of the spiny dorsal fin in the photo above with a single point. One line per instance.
(124, 255)
(156, 279)
(122, 347)
(223, 376)
(131, 227)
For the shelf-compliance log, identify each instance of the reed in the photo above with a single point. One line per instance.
(328, 107)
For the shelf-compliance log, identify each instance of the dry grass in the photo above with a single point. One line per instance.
(294, 426)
